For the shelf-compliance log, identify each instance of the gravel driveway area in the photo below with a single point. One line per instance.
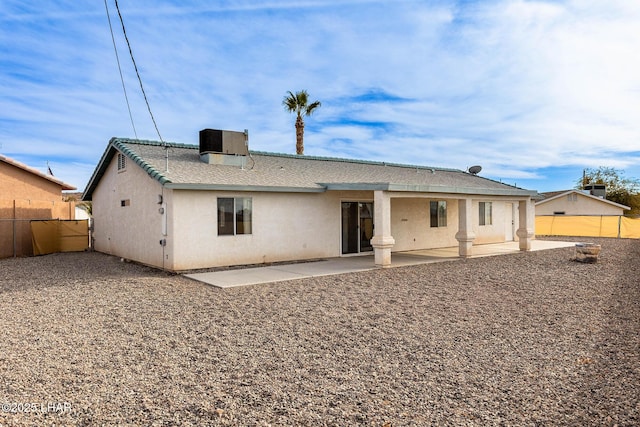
(528, 339)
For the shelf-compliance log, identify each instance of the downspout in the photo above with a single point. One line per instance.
(163, 241)
(163, 226)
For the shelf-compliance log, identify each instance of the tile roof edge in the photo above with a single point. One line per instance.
(116, 144)
(149, 169)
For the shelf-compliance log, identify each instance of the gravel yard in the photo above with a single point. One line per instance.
(526, 339)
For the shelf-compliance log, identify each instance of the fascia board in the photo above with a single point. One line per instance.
(417, 188)
(251, 188)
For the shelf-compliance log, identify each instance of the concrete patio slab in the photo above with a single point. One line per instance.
(350, 264)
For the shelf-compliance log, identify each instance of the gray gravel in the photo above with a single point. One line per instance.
(527, 339)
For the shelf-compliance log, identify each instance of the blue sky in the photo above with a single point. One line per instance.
(534, 91)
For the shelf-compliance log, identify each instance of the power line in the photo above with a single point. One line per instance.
(120, 69)
(124, 31)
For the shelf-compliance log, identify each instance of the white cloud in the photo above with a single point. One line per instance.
(515, 85)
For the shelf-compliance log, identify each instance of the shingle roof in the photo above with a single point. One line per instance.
(550, 194)
(291, 173)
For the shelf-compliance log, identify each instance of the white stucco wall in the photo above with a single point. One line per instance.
(286, 226)
(81, 213)
(132, 231)
(293, 226)
(494, 232)
(583, 205)
(411, 225)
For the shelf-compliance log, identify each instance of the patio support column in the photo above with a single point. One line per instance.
(525, 231)
(465, 234)
(382, 241)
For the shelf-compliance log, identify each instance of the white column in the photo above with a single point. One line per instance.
(526, 218)
(465, 234)
(382, 241)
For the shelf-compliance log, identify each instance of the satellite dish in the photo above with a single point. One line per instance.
(475, 170)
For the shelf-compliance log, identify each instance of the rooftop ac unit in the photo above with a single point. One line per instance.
(598, 190)
(224, 142)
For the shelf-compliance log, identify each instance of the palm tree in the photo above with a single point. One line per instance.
(299, 103)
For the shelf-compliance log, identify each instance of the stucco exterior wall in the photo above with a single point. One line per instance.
(18, 183)
(411, 225)
(583, 205)
(285, 226)
(494, 232)
(132, 231)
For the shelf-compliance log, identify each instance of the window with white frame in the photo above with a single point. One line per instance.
(234, 216)
(572, 197)
(438, 213)
(486, 216)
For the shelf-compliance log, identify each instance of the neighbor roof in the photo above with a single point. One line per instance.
(290, 173)
(553, 195)
(36, 172)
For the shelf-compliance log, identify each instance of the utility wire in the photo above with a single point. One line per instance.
(120, 69)
(124, 31)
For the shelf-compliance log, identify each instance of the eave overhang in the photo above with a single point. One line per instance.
(254, 188)
(416, 188)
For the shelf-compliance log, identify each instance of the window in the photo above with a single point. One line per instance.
(572, 197)
(234, 216)
(122, 161)
(438, 213)
(486, 217)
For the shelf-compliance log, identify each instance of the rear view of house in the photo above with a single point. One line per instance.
(182, 207)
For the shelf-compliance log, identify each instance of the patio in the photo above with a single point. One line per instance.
(350, 264)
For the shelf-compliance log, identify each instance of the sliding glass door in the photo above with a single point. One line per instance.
(357, 227)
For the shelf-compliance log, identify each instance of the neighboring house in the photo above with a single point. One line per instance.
(80, 210)
(81, 213)
(577, 203)
(26, 194)
(182, 207)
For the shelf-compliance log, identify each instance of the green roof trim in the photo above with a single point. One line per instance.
(150, 170)
(115, 145)
(288, 173)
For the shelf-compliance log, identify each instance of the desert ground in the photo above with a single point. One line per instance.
(527, 339)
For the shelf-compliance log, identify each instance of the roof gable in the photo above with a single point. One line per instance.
(264, 171)
(33, 171)
(555, 195)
